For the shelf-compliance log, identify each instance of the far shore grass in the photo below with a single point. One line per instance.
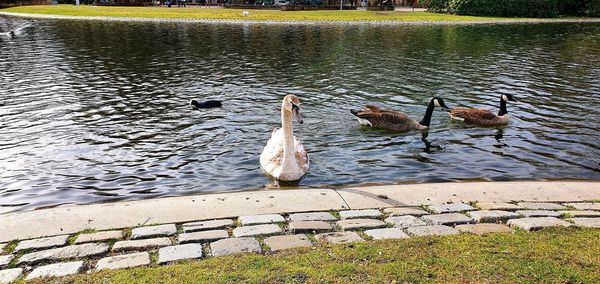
(236, 14)
(559, 255)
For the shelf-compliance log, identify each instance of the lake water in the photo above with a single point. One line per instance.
(96, 111)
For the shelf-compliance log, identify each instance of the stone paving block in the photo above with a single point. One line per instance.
(483, 228)
(498, 206)
(123, 261)
(579, 213)
(312, 216)
(339, 237)
(405, 221)
(153, 231)
(401, 211)
(202, 236)
(235, 245)
(386, 233)
(538, 213)
(356, 224)
(10, 275)
(99, 236)
(359, 214)
(257, 230)
(141, 244)
(586, 222)
(42, 243)
(56, 270)
(179, 252)
(207, 225)
(310, 226)
(450, 208)
(492, 215)
(260, 219)
(584, 206)
(536, 223)
(447, 219)
(5, 259)
(433, 230)
(64, 253)
(277, 243)
(541, 206)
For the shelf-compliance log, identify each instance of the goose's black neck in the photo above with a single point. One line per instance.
(427, 118)
(503, 109)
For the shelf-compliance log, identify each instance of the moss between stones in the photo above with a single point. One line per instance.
(335, 214)
(10, 247)
(570, 207)
(127, 233)
(549, 256)
(153, 257)
(15, 260)
(265, 248)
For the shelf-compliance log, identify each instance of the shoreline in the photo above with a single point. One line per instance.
(80, 241)
(296, 22)
(7, 209)
(103, 216)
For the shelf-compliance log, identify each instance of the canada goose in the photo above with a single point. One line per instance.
(483, 117)
(207, 104)
(395, 120)
(284, 157)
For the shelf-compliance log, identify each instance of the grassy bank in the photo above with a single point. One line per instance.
(233, 14)
(567, 255)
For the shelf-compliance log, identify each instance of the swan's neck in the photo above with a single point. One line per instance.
(427, 118)
(503, 109)
(289, 157)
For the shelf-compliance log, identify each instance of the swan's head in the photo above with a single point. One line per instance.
(291, 103)
(438, 102)
(508, 98)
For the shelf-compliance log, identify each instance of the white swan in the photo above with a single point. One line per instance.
(284, 157)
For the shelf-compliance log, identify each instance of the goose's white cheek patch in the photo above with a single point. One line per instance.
(364, 121)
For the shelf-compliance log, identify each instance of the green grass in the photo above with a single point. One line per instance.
(202, 13)
(566, 255)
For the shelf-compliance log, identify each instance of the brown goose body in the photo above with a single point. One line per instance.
(483, 117)
(387, 119)
(478, 116)
(394, 120)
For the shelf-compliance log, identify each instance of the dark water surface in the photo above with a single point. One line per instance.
(96, 111)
